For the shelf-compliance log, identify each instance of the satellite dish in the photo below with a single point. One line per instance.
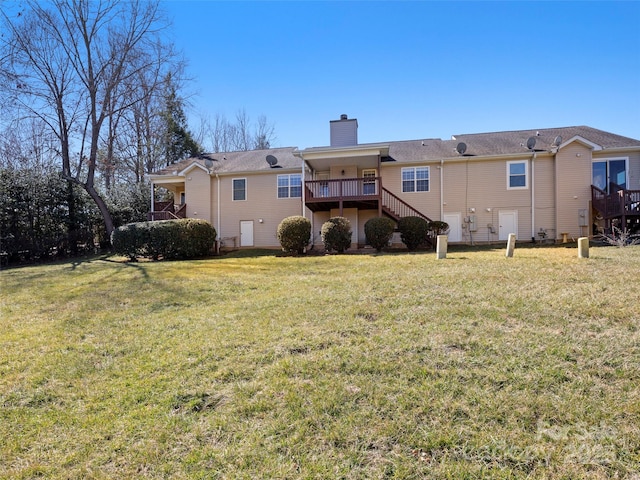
(557, 141)
(272, 161)
(208, 162)
(531, 143)
(461, 148)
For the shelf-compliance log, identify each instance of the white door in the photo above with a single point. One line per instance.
(246, 233)
(455, 227)
(508, 220)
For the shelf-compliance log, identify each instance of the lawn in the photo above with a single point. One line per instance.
(255, 365)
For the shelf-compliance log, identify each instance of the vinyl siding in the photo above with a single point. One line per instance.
(482, 186)
(573, 188)
(261, 202)
(544, 187)
(198, 194)
(634, 171)
(428, 203)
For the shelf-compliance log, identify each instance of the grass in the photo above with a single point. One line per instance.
(254, 365)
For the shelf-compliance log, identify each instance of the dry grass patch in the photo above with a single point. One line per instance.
(367, 366)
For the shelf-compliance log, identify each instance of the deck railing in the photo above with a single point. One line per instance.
(617, 203)
(398, 207)
(167, 211)
(342, 189)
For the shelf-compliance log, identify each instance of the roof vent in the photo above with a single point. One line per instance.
(344, 116)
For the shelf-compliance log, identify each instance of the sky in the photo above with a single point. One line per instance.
(411, 70)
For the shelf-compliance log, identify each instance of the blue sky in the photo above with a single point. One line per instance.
(413, 70)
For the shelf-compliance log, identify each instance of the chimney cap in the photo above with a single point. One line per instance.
(343, 116)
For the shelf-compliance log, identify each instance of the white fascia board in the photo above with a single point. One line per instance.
(473, 158)
(191, 167)
(577, 138)
(318, 153)
(157, 179)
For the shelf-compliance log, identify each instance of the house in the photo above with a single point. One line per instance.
(550, 184)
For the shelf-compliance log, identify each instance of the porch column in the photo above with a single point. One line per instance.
(153, 199)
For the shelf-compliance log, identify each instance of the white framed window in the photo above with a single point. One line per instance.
(517, 175)
(239, 189)
(415, 179)
(369, 182)
(290, 186)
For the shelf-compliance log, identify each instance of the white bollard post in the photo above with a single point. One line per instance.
(441, 247)
(583, 247)
(511, 245)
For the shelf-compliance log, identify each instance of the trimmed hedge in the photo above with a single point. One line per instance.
(437, 227)
(379, 231)
(336, 234)
(413, 231)
(169, 239)
(294, 234)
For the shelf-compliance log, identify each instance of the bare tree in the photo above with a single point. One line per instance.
(264, 134)
(71, 64)
(220, 135)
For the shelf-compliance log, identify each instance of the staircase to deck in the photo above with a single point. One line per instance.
(361, 193)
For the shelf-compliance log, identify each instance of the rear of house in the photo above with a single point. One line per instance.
(542, 185)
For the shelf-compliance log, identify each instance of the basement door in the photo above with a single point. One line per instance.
(246, 233)
(508, 220)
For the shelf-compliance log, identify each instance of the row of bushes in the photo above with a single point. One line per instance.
(294, 233)
(169, 239)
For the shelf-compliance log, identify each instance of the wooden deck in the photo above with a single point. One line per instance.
(361, 193)
(620, 205)
(167, 211)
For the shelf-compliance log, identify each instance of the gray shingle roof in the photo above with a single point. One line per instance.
(249, 161)
(503, 143)
(478, 145)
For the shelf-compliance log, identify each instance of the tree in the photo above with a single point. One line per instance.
(178, 140)
(221, 135)
(72, 62)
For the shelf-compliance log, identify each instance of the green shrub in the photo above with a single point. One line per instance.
(336, 234)
(413, 231)
(294, 234)
(379, 231)
(169, 239)
(438, 228)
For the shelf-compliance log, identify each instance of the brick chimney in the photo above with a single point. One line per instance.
(344, 132)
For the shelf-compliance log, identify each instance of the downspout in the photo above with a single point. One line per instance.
(442, 190)
(218, 206)
(533, 199)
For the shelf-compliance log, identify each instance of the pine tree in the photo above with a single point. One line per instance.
(179, 142)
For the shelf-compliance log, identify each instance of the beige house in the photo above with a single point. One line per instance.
(550, 184)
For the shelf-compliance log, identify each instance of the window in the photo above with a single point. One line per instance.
(369, 182)
(606, 172)
(517, 175)
(415, 179)
(290, 186)
(239, 189)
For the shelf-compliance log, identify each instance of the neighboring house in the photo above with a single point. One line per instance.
(547, 184)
